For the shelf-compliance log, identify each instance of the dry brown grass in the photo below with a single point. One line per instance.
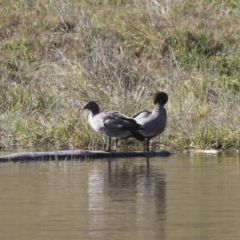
(57, 55)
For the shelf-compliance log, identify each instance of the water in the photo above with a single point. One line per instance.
(179, 197)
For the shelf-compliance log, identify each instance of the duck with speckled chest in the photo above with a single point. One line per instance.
(154, 122)
(112, 124)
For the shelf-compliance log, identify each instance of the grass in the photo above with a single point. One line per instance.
(58, 55)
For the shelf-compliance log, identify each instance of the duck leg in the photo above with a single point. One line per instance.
(109, 145)
(148, 140)
(116, 143)
(148, 143)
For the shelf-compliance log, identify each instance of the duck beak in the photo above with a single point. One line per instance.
(85, 107)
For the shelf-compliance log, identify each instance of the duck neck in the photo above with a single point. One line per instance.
(157, 109)
(95, 111)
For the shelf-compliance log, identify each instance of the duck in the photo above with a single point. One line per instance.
(112, 124)
(154, 122)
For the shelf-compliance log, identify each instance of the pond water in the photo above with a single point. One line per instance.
(188, 196)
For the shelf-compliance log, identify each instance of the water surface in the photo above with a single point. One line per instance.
(179, 197)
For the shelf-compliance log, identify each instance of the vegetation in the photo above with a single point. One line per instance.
(56, 55)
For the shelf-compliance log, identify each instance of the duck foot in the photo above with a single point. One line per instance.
(151, 151)
(109, 150)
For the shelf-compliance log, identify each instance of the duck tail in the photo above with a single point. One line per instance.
(137, 135)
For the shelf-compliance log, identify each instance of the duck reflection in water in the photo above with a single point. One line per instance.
(129, 190)
(136, 182)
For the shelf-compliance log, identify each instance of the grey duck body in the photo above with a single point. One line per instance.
(112, 124)
(154, 122)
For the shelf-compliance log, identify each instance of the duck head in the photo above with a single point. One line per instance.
(160, 98)
(92, 106)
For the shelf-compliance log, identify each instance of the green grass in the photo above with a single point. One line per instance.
(58, 55)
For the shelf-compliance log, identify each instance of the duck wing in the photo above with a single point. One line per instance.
(117, 120)
(128, 121)
(121, 121)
